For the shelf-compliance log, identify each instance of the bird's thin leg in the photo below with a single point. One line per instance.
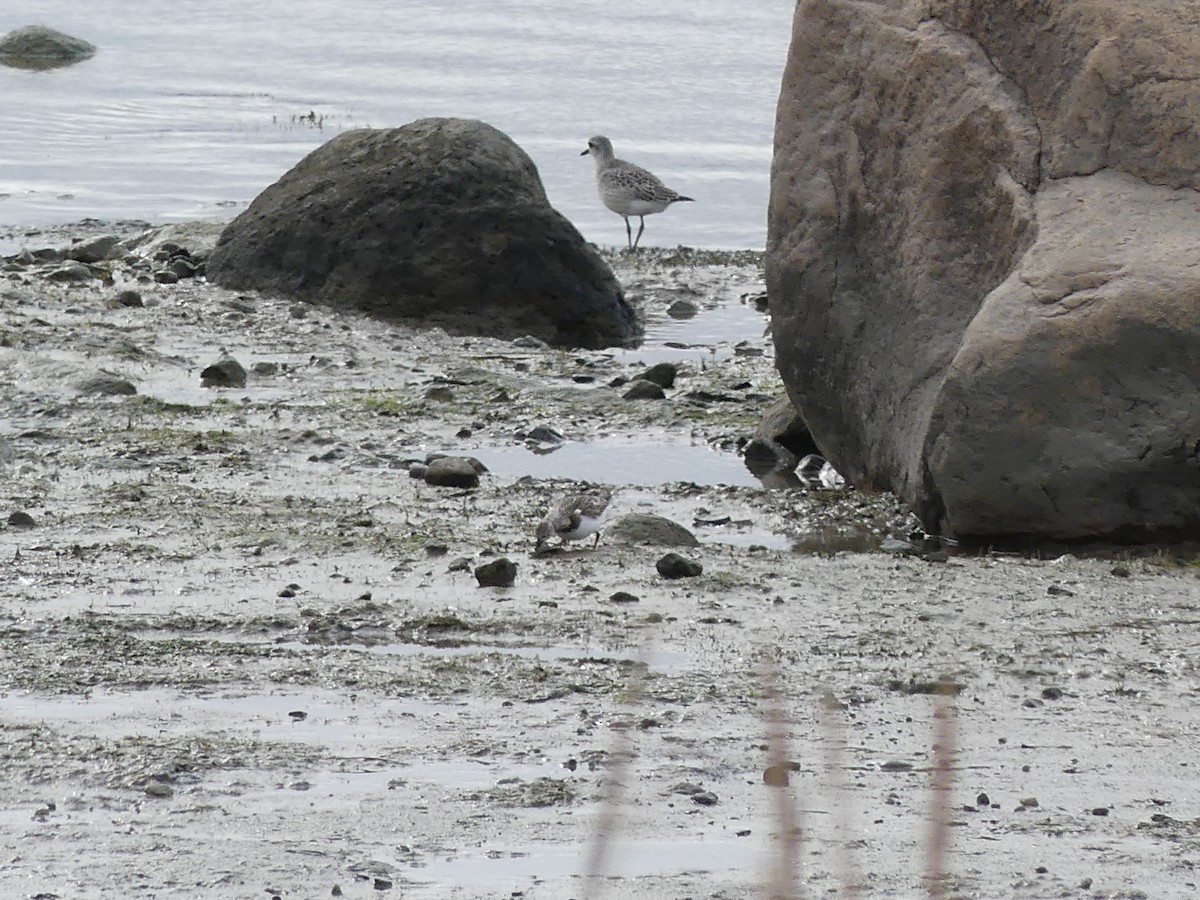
(629, 232)
(596, 542)
(641, 228)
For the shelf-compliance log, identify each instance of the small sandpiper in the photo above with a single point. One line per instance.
(574, 517)
(628, 190)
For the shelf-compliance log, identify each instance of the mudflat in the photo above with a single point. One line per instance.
(243, 651)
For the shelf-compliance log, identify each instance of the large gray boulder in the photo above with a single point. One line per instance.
(39, 47)
(983, 264)
(442, 220)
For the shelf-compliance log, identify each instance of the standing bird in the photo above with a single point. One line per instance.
(626, 189)
(573, 517)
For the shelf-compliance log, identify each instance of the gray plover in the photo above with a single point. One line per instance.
(574, 517)
(626, 189)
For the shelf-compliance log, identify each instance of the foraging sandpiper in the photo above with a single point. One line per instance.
(574, 517)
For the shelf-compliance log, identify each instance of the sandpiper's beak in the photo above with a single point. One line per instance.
(586, 152)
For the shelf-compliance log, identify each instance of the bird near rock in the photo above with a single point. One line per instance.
(574, 517)
(628, 190)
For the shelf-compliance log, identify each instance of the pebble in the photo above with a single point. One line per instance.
(452, 471)
(500, 572)
(640, 389)
(159, 789)
(683, 309)
(106, 385)
(129, 298)
(72, 272)
(663, 374)
(98, 249)
(21, 519)
(225, 372)
(623, 597)
(672, 566)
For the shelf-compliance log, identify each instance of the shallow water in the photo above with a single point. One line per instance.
(189, 112)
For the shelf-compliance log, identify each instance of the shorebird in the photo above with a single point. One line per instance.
(574, 517)
(626, 189)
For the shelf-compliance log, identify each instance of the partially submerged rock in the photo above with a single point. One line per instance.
(982, 262)
(647, 529)
(443, 220)
(39, 47)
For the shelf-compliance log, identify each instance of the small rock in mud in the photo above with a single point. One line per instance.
(705, 798)
(158, 789)
(983, 800)
(21, 519)
(623, 597)
(1028, 802)
(452, 471)
(461, 564)
(683, 309)
(130, 298)
(440, 394)
(95, 250)
(1121, 571)
(105, 384)
(1100, 811)
(72, 272)
(1052, 693)
(544, 434)
(663, 374)
(672, 566)
(640, 389)
(649, 530)
(225, 372)
(500, 572)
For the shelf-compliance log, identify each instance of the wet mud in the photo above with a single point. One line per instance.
(243, 652)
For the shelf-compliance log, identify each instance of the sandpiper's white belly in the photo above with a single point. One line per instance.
(624, 205)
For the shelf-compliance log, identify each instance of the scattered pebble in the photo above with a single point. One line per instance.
(20, 519)
(673, 566)
(663, 374)
(500, 572)
(640, 389)
(225, 372)
(130, 298)
(452, 471)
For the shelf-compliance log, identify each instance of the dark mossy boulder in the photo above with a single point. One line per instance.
(39, 47)
(443, 221)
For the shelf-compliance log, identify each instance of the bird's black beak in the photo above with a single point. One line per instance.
(586, 152)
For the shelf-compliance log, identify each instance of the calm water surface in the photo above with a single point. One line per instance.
(190, 110)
